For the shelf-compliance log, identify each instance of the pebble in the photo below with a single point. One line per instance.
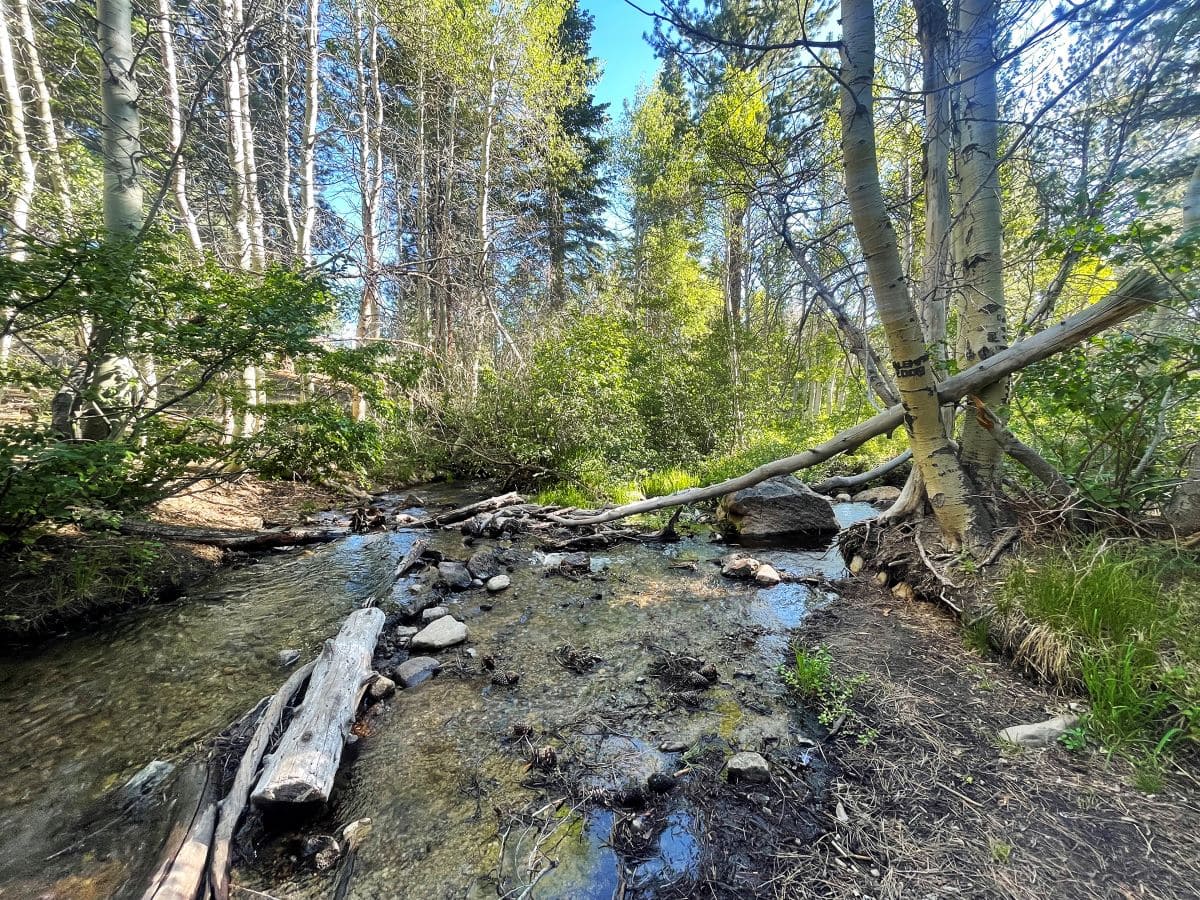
(498, 583)
(673, 746)
(404, 633)
(288, 657)
(747, 766)
(434, 613)
(767, 576)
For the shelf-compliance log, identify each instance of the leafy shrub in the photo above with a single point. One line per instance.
(314, 440)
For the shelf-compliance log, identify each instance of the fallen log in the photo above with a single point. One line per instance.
(841, 482)
(302, 768)
(462, 513)
(412, 558)
(230, 539)
(1136, 291)
(230, 809)
(184, 833)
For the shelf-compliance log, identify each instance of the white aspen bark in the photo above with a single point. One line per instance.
(258, 252)
(285, 126)
(308, 136)
(41, 93)
(370, 103)
(983, 324)
(961, 521)
(22, 195)
(236, 148)
(422, 212)
(175, 125)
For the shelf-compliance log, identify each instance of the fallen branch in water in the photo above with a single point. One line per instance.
(1136, 292)
(231, 808)
(229, 539)
(465, 512)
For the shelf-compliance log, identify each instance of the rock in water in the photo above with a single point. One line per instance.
(484, 565)
(434, 613)
(445, 632)
(778, 507)
(413, 671)
(287, 657)
(498, 583)
(767, 576)
(747, 766)
(884, 495)
(1039, 734)
(409, 603)
(381, 687)
(454, 575)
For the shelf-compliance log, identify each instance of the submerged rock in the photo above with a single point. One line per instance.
(413, 671)
(498, 583)
(287, 658)
(146, 781)
(410, 602)
(747, 766)
(884, 495)
(778, 507)
(445, 632)
(484, 565)
(454, 575)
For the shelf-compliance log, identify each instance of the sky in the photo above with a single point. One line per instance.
(626, 58)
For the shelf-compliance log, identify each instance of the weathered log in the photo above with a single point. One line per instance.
(465, 512)
(199, 797)
(230, 809)
(412, 558)
(230, 539)
(841, 482)
(1134, 293)
(302, 768)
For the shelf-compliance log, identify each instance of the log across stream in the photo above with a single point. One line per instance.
(432, 763)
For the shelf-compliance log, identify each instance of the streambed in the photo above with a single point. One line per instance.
(456, 808)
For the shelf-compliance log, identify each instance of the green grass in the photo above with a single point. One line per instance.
(1128, 614)
(812, 678)
(666, 481)
(812, 673)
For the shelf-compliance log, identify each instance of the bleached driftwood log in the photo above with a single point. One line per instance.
(845, 482)
(302, 768)
(463, 513)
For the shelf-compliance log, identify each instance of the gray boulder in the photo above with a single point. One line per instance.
(484, 565)
(413, 671)
(884, 495)
(454, 575)
(778, 507)
(445, 632)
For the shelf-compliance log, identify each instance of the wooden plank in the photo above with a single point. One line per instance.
(302, 768)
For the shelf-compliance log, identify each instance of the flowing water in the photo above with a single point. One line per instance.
(437, 770)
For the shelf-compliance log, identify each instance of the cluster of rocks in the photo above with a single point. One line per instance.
(744, 567)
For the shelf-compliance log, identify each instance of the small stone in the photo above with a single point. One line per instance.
(381, 687)
(486, 607)
(471, 652)
(287, 658)
(413, 671)
(434, 613)
(904, 591)
(856, 564)
(747, 766)
(445, 632)
(484, 565)
(739, 565)
(146, 781)
(673, 746)
(767, 576)
(498, 583)
(660, 783)
(1039, 734)
(454, 575)
(404, 633)
(323, 850)
(842, 498)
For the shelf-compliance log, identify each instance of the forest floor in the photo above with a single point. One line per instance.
(73, 577)
(936, 805)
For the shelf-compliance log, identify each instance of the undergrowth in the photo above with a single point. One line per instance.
(812, 678)
(1126, 617)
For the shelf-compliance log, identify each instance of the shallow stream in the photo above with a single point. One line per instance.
(447, 786)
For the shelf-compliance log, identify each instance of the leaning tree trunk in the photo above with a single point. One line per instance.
(983, 323)
(962, 520)
(175, 125)
(308, 137)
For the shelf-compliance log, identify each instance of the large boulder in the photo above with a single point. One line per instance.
(776, 508)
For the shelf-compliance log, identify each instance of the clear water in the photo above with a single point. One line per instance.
(85, 713)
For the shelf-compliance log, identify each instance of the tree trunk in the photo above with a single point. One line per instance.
(33, 65)
(302, 768)
(175, 125)
(950, 492)
(308, 137)
(22, 193)
(983, 266)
